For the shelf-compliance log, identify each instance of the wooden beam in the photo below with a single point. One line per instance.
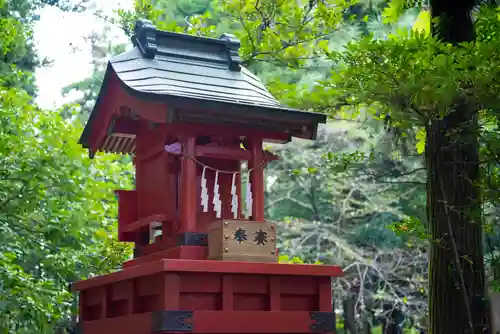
(197, 129)
(135, 226)
(233, 153)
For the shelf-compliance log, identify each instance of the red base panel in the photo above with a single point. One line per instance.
(218, 296)
(210, 322)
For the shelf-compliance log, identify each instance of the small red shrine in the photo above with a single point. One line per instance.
(205, 259)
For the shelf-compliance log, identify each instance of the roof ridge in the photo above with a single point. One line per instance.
(150, 41)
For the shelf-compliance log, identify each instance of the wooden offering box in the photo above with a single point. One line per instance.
(240, 240)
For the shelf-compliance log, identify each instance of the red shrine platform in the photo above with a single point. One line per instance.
(202, 296)
(191, 116)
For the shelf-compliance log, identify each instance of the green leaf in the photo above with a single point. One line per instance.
(393, 11)
(420, 137)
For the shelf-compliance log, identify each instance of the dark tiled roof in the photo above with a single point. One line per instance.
(177, 68)
(190, 66)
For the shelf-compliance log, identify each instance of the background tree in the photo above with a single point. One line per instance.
(57, 207)
(454, 201)
(449, 116)
(22, 53)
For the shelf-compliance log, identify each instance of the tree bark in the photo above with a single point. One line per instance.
(456, 267)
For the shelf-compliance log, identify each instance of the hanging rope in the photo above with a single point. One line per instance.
(261, 164)
(176, 149)
(217, 203)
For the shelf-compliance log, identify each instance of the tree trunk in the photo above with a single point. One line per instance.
(350, 315)
(456, 267)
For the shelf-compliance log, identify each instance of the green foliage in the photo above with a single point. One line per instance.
(287, 30)
(57, 209)
(411, 226)
(16, 39)
(8, 35)
(394, 10)
(180, 10)
(415, 78)
(16, 51)
(287, 259)
(330, 189)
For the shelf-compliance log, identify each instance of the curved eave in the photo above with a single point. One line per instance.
(278, 113)
(84, 138)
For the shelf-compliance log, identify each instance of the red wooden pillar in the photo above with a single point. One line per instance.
(188, 186)
(256, 165)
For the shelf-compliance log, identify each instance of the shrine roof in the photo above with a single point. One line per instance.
(192, 67)
(178, 69)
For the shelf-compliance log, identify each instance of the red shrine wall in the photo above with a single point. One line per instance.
(127, 210)
(152, 177)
